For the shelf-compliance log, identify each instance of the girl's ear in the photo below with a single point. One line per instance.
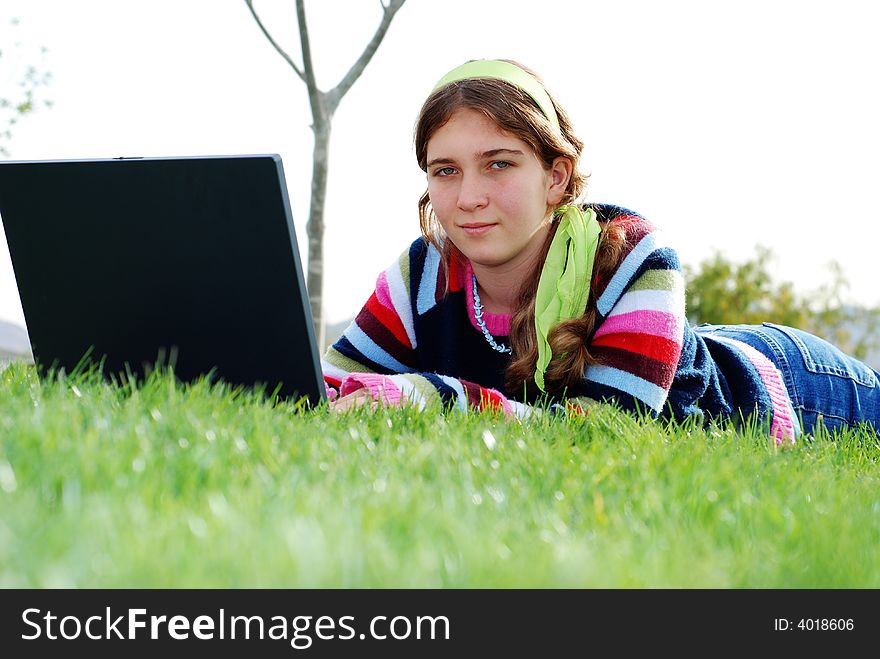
(560, 174)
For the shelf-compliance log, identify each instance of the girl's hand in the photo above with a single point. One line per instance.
(353, 400)
(361, 397)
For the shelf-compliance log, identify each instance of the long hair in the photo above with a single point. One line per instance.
(516, 113)
(568, 340)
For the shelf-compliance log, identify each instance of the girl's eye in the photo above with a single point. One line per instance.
(445, 171)
(500, 164)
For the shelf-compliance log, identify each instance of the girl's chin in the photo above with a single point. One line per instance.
(484, 258)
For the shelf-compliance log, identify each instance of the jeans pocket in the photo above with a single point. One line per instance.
(821, 357)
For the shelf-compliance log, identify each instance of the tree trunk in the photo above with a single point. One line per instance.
(323, 105)
(315, 226)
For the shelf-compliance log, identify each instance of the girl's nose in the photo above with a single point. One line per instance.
(471, 195)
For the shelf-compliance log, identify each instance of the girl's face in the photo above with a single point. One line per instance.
(490, 192)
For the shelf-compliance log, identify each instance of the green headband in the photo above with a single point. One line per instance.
(500, 70)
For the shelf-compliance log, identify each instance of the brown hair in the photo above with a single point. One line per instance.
(516, 113)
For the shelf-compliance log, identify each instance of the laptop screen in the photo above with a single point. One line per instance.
(191, 261)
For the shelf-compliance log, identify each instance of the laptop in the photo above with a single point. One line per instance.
(187, 262)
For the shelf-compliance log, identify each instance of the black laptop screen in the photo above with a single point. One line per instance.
(141, 260)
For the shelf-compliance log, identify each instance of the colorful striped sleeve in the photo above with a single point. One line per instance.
(377, 351)
(381, 338)
(640, 333)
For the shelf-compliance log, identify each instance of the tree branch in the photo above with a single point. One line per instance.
(250, 5)
(316, 96)
(335, 95)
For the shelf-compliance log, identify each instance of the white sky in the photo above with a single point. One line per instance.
(727, 124)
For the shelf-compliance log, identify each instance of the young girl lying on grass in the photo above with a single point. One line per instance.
(516, 290)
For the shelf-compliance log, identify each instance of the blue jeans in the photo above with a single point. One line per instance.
(825, 385)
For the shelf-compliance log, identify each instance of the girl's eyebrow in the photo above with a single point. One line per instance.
(494, 152)
(441, 161)
(491, 153)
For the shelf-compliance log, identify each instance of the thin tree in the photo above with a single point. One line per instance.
(323, 105)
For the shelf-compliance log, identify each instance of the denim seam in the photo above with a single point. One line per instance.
(781, 358)
(777, 349)
(815, 366)
(781, 363)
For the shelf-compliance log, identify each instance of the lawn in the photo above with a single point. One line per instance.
(163, 485)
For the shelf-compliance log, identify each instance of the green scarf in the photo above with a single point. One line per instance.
(564, 286)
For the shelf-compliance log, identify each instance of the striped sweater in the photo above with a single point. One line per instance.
(415, 339)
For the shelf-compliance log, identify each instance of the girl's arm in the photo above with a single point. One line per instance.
(377, 352)
(641, 330)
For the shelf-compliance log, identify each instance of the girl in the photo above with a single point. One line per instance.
(516, 291)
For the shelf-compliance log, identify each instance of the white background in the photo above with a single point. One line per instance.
(727, 124)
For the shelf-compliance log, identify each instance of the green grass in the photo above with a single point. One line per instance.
(161, 485)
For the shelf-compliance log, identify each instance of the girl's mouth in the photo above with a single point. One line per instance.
(476, 228)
